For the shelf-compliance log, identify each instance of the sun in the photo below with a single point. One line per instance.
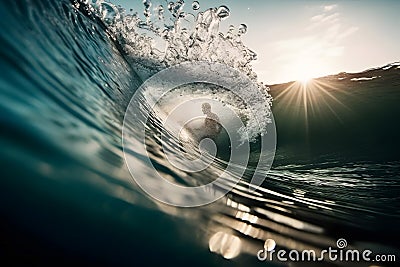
(304, 80)
(304, 76)
(304, 71)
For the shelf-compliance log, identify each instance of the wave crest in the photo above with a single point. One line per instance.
(165, 36)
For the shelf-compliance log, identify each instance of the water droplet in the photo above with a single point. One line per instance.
(147, 4)
(160, 12)
(170, 6)
(223, 12)
(108, 13)
(146, 13)
(177, 8)
(196, 5)
(242, 29)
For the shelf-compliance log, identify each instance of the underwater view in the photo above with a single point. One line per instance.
(148, 133)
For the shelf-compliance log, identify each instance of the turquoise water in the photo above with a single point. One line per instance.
(68, 197)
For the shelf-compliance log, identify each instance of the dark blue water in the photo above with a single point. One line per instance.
(68, 198)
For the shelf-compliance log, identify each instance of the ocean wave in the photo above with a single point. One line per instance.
(68, 74)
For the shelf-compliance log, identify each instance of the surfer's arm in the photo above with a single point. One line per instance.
(218, 127)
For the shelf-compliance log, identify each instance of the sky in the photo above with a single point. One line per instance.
(298, 39)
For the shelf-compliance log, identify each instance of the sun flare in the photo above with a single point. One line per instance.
(304, 72)
(304, 80)
(304, 76)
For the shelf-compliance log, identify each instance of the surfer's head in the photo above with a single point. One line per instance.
(206, 108)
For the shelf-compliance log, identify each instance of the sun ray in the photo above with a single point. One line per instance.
(309, 99)
(326, 92)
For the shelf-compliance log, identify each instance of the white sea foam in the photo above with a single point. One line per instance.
(363, 79)
(165, 36)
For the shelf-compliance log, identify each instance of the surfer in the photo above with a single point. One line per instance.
(211, 122)
(197, 129)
